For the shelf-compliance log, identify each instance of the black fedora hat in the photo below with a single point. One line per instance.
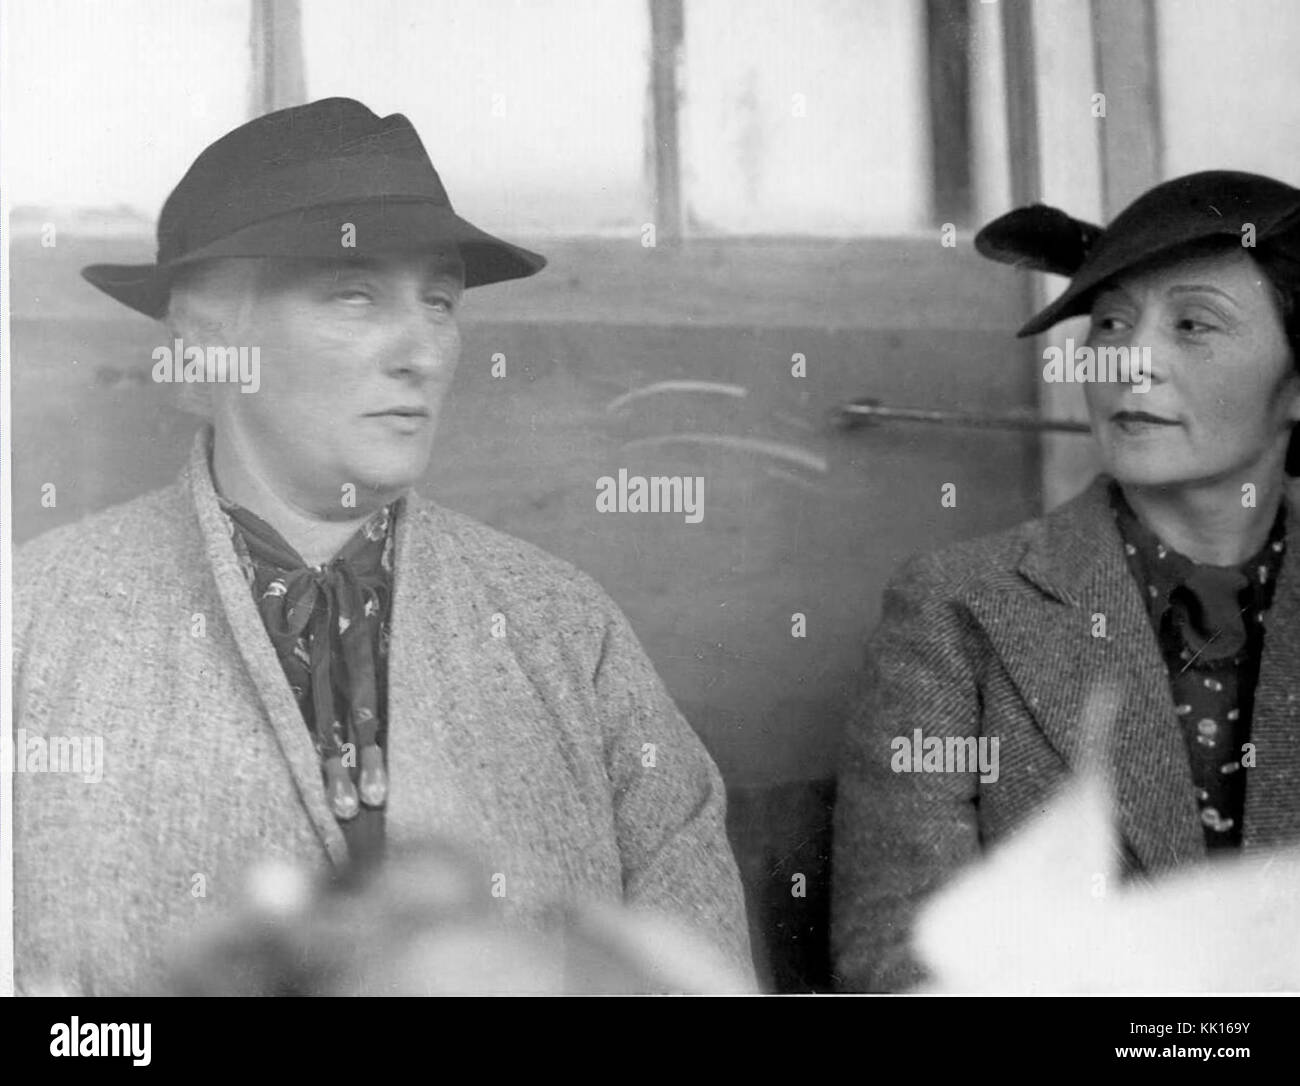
(287, 184)
(1199, 205)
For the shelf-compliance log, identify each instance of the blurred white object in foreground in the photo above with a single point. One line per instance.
(1047, 913)
(426, 924)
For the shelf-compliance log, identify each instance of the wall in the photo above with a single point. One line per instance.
(1230, 85)
(799, 516)
(807, 193)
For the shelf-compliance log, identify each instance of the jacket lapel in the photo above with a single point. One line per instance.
(258, 653)
(432, 648)
(1050, 643)
(1273, 783)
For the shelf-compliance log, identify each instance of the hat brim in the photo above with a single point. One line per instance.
(1077, 299)
(378, 228)
(1040, 238)
(1043, 238)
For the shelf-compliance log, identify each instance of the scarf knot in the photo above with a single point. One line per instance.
(326, 624)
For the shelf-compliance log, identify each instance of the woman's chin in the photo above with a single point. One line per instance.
(385, 475)
(1149, 471)
(1157, 474)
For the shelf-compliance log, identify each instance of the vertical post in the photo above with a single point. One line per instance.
(1054, 146)
(1020, 70)
(666, 35)
(948, 80)
(1128, 74)
(1022, 102)
(275, 38)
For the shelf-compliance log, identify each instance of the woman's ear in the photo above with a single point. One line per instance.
(181, 317)
(192, 398)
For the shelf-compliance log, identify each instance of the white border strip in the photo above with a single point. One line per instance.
(6, 549)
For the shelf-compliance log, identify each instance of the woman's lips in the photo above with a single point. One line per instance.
(1140, 420)
(415, 409)
(405, 420)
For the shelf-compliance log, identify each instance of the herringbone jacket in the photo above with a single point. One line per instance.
(528, 748)
(997, 637)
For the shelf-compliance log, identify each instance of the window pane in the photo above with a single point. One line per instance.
(533, 113)
(1229, 86)
(111, 101)
(805, 118)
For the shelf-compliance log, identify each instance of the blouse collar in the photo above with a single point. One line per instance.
(1210, 609)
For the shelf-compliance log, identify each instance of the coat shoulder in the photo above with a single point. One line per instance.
(73, 582)
(979, 564)
(994, 562)
(120, 540)
(512, 567)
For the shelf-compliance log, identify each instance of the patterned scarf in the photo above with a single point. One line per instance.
(328, 624)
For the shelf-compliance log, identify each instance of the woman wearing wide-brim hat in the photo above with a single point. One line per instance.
(291, 653)
(1168, 582)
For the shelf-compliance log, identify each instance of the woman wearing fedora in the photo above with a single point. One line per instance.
(1170, 583)
(289, 654)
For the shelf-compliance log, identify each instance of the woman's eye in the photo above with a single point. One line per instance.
(353, 294)
(440, 302)
(1192, 326)
(1108, 323)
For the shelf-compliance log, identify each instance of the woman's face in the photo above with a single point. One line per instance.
(1224, 388)
(357, 356)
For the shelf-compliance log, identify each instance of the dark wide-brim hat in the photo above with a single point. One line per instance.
(1186, 209)
(289, 183)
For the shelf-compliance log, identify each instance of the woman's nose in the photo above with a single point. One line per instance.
(421, 343)
(1146, 346)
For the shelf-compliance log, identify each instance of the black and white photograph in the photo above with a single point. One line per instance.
(729, 498)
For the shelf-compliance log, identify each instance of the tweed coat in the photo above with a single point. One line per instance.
(532, 748)
(995, 637)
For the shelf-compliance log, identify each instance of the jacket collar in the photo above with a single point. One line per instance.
(424, 788)
(1074, 549)
(1088, 641)
(255, 648)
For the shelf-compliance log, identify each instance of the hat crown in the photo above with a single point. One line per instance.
(1198, 205)
(326, 181)
(1247, 207)
(333, 151)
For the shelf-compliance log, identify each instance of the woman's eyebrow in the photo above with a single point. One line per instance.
(334, 270)
(1113, 292)
(1201, 288)
(451, 268)
(338, 269)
